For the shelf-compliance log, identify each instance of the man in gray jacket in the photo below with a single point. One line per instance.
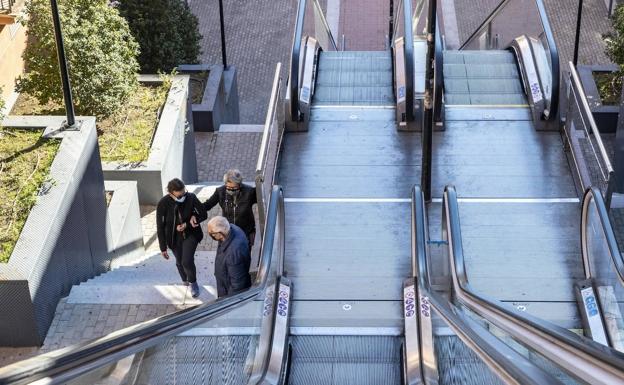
(233, 257)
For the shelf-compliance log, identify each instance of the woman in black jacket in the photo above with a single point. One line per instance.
(176, 232)
(236, 200)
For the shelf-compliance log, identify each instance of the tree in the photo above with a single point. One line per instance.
(101, 55)
(1, 107)
(167, 32)
(615, 39)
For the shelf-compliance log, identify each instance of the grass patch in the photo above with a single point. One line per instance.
(126, 136)
(25, 160)
(198, 82)
(609, 87)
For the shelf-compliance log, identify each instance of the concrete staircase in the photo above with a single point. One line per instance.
(151, 281)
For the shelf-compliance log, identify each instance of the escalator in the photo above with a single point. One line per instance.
(509, 66)
(563, 355)
(338, 298)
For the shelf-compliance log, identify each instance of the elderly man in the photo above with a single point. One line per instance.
(233, 257)
(236, 200)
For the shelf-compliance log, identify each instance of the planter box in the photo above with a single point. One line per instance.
(606, 116)
(64, 239)
(219, 103)
(125, 232)
(172, 154)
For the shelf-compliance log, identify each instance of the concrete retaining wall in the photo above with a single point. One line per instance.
(64, 239)
(219, 103)
(172, 154)
(125, 232)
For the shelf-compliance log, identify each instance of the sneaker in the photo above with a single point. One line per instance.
(194, 290)
(185, 283)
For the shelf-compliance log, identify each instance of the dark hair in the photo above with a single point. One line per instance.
(175, 184)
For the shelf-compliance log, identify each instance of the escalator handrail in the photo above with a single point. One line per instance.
(438, 73)
(487, 346)
(408, 54)
(296, 51)
(71, 362)
(515, 367)
(594, 194)
(294, 60)
(598, 354)
(419, 238)
(408, 46)
(552, 47)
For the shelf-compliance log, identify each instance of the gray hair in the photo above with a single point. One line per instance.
(219, 224)
(233, 175)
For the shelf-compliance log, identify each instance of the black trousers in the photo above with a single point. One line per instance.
(184, 253)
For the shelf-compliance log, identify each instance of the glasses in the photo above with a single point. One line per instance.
(212, 235)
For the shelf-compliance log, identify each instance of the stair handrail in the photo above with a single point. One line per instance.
(552, 47)
(580, 356)
(271, 128)
(66, 364)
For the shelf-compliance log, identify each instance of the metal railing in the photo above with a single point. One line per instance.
(590, 157)
(71, 363)
(580, 357)
(325, 38)
(604, 265)
(266, 166)
(7, 5)
(405, 30)
(507, 22)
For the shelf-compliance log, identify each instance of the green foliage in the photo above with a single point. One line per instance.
(615, 39)
(25, 160)
(166, 30)
(126, 135)
(100, 50)
(1, 107)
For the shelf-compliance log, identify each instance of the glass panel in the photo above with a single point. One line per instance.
(457, 363)
(322, 30)
(516, 18)
(537, 359)
(609, 288)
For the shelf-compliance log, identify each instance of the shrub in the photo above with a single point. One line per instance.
(100, 50)
(166, 30)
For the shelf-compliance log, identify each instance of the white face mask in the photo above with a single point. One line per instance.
(181, 199)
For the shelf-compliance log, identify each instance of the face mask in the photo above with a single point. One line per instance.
(232, 192)
(181, 199)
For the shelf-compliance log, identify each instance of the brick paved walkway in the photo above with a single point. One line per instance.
(562, 17)
(258, 35)
(364, 24)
